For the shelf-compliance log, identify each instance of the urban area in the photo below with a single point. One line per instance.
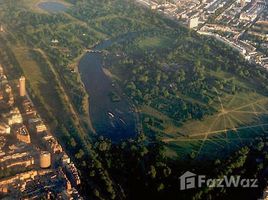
(243, 24)
(30, 151)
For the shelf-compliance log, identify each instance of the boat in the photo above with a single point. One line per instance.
(111, 114)
(122, 121)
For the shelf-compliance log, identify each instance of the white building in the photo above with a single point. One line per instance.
(193, 22)
(13, 117)
(4, 128)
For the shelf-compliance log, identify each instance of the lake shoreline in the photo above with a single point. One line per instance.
(114, 120)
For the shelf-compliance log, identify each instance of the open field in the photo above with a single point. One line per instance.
(235, 111)
(154, 42)
(239, 119)
(38, 77)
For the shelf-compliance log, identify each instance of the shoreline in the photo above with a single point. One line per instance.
(36, 7)
(86, 117)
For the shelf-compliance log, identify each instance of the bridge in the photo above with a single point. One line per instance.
(93, 51)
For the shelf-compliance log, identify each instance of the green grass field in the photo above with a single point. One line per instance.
(30, 67)
(40, 78)
(154, 43)
(239, 119)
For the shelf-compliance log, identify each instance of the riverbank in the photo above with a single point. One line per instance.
(113, 120)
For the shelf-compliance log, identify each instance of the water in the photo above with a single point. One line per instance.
(52, 7)
(114, 120)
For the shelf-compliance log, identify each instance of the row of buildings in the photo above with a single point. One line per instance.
(226, 20)
(33, 164)
(235, 27)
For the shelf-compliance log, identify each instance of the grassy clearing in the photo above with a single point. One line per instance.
(239, 119)
(241, 109)
(154, 43)
(30, 67)
(40, 79)
(214, 146)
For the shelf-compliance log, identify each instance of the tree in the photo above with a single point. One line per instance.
(167, 171)
(72, 142)
(96, 192)
(103, 146)
(160, 187)
(152, 172)
(80, 154)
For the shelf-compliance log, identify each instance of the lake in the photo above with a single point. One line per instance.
(115, 120)
(53, 7)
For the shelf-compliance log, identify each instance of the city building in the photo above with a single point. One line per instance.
(28, 108)
(193, 22)
(13, 117)
(24, 162)
(52, 144)
(37, 125)
(72, 174)
(242, 3)
(23, 135)
(40, 127)
(22, 86)
(4, 128)
(23, 152)
(45, 159)
(65, 159)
